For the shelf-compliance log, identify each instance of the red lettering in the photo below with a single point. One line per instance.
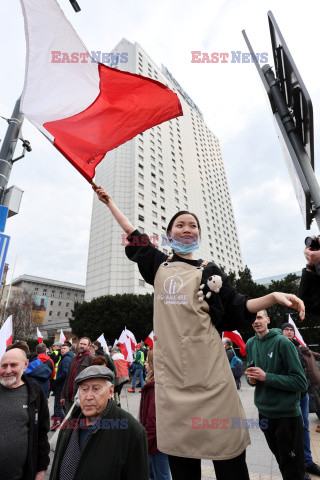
(205, 58)
(74, 57)
(196, 423)
(224, 422)
(224, 56)
(124, 240)
(195, 57)
(55, 56)
(215, 423)
(84, 56)
(215, 57)
(65, 58)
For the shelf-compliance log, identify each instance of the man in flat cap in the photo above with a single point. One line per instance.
(100, 440)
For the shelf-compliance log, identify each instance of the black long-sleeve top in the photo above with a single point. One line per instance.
(228, 308)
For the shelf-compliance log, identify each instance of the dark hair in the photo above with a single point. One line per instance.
(97, 344)
(67, 344)
(41, 348)
(100, 360)
(182, 212)
(20, 344)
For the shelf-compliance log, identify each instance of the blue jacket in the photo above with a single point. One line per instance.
(63, 369)
(39, 372)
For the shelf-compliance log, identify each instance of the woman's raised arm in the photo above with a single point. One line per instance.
(254, 305)
(122, 220)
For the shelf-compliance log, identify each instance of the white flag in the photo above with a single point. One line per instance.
(103, 342)
(5, 335)
(297, 335)
(62, 338)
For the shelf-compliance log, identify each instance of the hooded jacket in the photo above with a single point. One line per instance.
(279, 395)
(39, 372)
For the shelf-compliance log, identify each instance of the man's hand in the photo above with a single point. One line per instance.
(312, 256)
(292, 301)
(255, 374)
(62, 402)
(40, 475)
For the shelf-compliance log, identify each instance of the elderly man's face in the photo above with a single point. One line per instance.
(12, 366)
(94, 396)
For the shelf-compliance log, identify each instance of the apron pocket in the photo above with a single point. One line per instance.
(159, 372)
(197, 354)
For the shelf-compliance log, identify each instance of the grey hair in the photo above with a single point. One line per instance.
(227, 340)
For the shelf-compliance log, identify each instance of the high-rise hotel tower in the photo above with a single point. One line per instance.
(174, 166)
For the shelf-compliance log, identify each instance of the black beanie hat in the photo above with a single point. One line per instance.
(287, 325)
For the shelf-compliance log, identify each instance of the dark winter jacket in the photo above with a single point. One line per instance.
(63, 369)
(147, 416)
(76, 365)
(46, 359)
(110, 364)
(116, 449)
(279, 395)
(39, 425)
(39, 372)
(311, 367)
(309, 291)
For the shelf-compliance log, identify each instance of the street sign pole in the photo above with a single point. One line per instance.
(296, 142)
(8, 148)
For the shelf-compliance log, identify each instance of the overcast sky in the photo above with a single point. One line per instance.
(50, 235)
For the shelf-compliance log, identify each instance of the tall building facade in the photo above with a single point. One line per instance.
(174, 166)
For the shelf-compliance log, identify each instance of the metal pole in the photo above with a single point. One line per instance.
(8, 147)
(296, 142)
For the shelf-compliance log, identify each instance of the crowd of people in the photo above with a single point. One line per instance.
(189, 375)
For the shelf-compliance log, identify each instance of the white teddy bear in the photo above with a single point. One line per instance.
(214, 283)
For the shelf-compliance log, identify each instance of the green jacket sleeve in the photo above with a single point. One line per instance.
(295, 379)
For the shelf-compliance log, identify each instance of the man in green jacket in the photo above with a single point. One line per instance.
(276, 372)
(100, 441)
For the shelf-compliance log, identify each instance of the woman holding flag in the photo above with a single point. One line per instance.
(196, 397)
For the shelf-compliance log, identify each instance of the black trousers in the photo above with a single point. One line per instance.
(285, 439)
(190, 468)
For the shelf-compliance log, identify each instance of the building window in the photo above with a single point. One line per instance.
(58, 314)
(51, 303)
(36, 289)
(59, 304)
(68, 296)
(76, 297)
(141, 206)
(50, 313)
(141, 185)
(44, 291)
(60, 294)
(141, 218)
(67, 304)
(141, 283)
(66, 314)
(52, 293)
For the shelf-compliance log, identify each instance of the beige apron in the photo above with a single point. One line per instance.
(199, 413)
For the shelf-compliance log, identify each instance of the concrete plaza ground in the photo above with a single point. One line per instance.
(261, 463)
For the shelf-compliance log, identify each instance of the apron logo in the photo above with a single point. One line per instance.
(173, 284)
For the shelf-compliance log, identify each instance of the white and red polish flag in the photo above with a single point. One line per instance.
(40, 336)
(149, 340)
(132, 338)
(62, 338)
(236, 338)
(297, 334)
(125, 346)
(84, 108)
(5, 335)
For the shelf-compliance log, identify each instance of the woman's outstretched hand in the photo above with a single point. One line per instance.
(290, 300)
(102, 194)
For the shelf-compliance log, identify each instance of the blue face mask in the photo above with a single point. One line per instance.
(184, 248)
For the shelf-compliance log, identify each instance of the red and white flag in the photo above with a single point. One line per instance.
(84, 108)
(297, 334)
(40, 336)
(125, 346)
(236, 338)
(149, 340)
(5, 335)
(133, 340)
(62, 338)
